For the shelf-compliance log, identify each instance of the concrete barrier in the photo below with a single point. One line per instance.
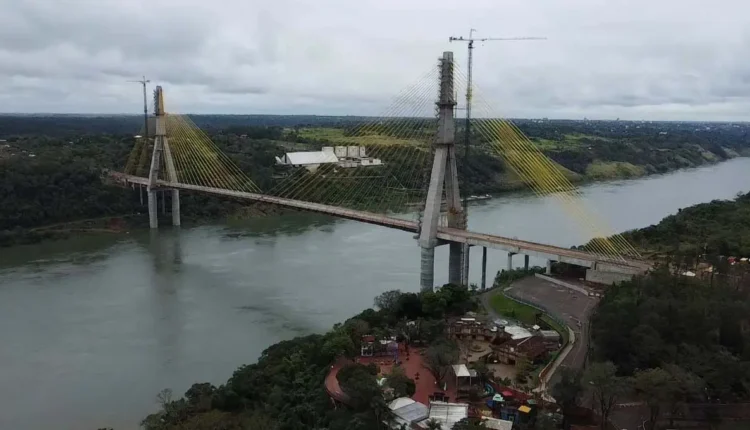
(549, 370)
(563, 283)
(606, 278)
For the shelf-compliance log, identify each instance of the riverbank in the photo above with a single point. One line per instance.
(168, 308)
(119, 224)
(125, 223)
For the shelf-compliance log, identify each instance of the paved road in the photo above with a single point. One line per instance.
(572, 307)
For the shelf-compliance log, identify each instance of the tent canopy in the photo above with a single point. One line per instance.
(461, 371)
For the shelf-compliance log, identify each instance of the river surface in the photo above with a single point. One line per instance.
(93, 327)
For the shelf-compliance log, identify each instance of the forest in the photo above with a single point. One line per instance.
(665, 320)
(720, 227)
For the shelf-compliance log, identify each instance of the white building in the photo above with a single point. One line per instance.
(310, 160)
(342, 156)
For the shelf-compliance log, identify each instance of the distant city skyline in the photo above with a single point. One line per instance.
(633, 60)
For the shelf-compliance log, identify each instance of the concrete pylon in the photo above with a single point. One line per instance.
(153, 176)
(161, 150)
(172, 177)
(444, 174)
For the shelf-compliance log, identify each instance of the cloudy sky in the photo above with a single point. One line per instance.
(633, 59)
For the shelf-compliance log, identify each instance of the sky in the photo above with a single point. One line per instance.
(603, 59)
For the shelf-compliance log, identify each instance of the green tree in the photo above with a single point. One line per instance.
(439, 357)
(433, 424)
(523, 370)
(339, 344)
(365, 395)
(389, 301)
(567, 391)
(607, 387)
(484, 374)
(686, 387)
(434, 305)
(402, 385)
(654, 387)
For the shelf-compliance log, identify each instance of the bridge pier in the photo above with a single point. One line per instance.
(455, 263)
(153, 210)
(484, 268)
(549, 267)
(427, 269)
(176, 208)
(526, 262)
(510, 261)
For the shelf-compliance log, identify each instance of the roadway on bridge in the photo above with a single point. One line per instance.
(550, 252)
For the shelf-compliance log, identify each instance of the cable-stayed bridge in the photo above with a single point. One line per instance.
(417, 167)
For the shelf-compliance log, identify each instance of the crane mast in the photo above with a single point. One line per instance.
(464, 169)
(143, 82)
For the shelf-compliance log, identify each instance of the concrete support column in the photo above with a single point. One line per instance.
(510, 261)
(455, 261)
(427, 269)
(549, 267)
(176, 208)
(153, 210)
(484, 267)
(465, 271)
(526, 262)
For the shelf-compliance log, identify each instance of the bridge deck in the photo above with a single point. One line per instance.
(579, 258)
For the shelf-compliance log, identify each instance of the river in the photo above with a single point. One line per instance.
(92, 327)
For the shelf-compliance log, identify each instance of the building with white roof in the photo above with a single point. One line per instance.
(311, 160)
(517, 332)
(408, 411)
(342, 156)
(497, 424)
(447, 414)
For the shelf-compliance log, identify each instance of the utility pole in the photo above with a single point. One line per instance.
(143, 82)
(467, 138)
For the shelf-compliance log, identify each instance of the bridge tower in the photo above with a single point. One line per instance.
(161, 149)
(444, 175)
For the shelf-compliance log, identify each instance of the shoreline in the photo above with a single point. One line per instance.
(49, 232)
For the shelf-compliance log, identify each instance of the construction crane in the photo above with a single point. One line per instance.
(470, 40)
(143, 82)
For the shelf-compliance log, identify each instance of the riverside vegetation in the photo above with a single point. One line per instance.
(51, 165)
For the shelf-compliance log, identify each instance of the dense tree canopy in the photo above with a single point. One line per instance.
(663, 320)
(721, 227)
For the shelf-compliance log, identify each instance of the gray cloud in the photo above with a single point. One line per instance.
(671, 59)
